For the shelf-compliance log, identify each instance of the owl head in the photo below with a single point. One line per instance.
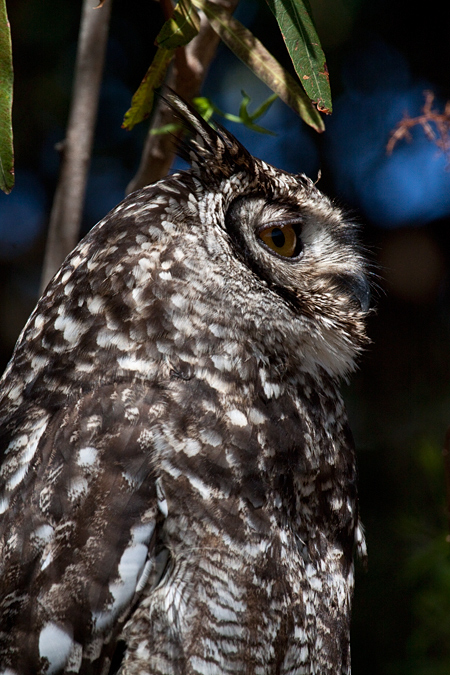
(291, 256)
(231, 262)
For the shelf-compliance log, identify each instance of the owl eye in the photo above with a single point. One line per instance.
(283, 238)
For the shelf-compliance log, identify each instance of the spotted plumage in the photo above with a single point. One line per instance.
(177, 483)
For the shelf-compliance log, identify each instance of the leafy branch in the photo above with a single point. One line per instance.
(181, 28)
(186, 46)
(295, 21)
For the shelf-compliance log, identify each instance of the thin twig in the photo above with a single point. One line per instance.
(441, 121)
(186, 78)
(67, 210)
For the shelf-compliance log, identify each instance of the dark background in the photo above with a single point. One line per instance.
(382, 56)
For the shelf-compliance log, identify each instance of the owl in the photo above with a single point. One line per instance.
(178, 483)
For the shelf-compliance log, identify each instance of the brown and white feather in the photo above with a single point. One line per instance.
(178, 482)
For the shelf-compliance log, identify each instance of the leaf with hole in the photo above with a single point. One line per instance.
(302, 42)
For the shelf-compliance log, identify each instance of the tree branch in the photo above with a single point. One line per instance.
(186, 78)
(67, 210)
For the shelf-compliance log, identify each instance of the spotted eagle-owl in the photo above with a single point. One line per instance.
(178, 477)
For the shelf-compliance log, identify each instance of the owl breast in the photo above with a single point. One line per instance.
(247, 577)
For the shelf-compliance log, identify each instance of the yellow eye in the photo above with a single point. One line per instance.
(282, 239)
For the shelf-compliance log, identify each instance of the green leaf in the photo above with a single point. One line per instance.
(264, 107)
(142, 101)
(165, 129)
(248, 119)
(205, 107)
(180, 28)
(295, 21)
(6, 96)
(253, 53)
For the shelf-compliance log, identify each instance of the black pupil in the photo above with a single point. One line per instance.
(278, 237)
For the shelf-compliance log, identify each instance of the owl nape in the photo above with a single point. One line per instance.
(178, 481)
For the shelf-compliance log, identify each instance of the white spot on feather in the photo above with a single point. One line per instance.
(77, 487)
(336, 503)
(132, 414)
(145, 264)
(315, 584)
(95, 304)
(218, 331)
(161, 498)
(87, 456)
(182, 324)
(168, 226)
(71, 329)
(256, 417)
(44, 533)
(131, 566)
(170, 469)
(94, 422)
(15, 392)
(191, 447)
(38, 362)
(272, 390)
(107, 338)
(16, 478)
(304, 654)
(222, 362)
(237, 418)
(17, 444)
(55, 645)
(178, 300)
(39, 321)
(213, 379)
(47, 560)
(200, 486)
(132, 363)
(142, 533)
(210, 437)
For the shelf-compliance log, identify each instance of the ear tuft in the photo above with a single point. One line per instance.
(215, 150)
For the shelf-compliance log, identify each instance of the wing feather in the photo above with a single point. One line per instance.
(79, 530)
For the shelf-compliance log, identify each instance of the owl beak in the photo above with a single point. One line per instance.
(360, 289)
(358, 286)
